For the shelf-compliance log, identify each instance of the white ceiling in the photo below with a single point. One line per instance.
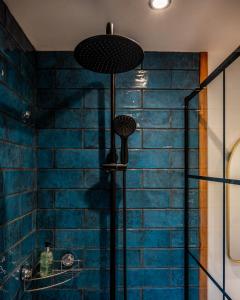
(187, 25)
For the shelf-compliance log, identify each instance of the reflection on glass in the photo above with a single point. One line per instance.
(233, 205)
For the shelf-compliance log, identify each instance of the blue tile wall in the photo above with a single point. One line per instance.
(17, 154)
(73, 195)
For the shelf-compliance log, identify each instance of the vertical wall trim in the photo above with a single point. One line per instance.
(224, 177)
(203, 171)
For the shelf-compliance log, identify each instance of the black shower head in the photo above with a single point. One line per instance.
(124, 126)
(108, 53)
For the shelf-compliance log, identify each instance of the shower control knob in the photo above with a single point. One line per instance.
(26, 272)
(68, 260)
(26, 116)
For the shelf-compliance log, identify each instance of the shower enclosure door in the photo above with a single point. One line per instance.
(212, 217)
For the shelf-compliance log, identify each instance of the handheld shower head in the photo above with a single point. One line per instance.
(124, 126)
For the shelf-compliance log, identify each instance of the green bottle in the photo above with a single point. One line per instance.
(46, 261)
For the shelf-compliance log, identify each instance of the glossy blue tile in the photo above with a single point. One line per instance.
(68, 119)
(143, 159)
(185, 79)
(57, 138)
(134, 258)
(82, 199)
(69, 219)
(46, 219)
(163, 218)
(16, 157)
(27, 201)
(134, 219)
(177, 119)
(177, 238)
(2, 128)
(16, 205)
(101, 139)
(193, 138)
(96, 295)
(80, 238)
(96, 179)
(45, 158)
(12, 285)
(17, 181)
(150, 238)
(193, 218)
(10, 103)
(45, 79)
(12, 234)
(144, 79)
(155, 119)
(164, 99)
(63, 98)
(163, 178)
(96, 119)
(164, 293)
(28, 244)
(128, 99)
(163, 258)
(46, 59)
(26, 225)
(171, 60)
(44, 236)
(148, 198)
(134, 179)
(193, 159)
(66, 60)
(12, 257)
(19, 133)
(96, 139)
(97, 279)
(60, 294)
(28, 70)
(176, 158)
(96, 218)
(45, 199)
(96, 258)
(2, 244)
(13, 79)
(60, 179)
(163, 139)
(97, 98)
(148, 277)
(81, 79)
(10, 209)
(193, 198)
(78, 159)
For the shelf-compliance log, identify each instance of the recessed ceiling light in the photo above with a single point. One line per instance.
(159, 4)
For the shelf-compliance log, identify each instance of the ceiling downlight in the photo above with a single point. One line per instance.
(159, 4)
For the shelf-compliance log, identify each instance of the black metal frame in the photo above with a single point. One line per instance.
(187, 176)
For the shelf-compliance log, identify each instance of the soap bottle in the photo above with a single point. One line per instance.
(46, 261)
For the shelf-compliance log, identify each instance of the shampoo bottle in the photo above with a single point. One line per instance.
(46, 261)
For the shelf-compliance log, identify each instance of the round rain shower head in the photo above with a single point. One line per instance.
(108, 54)
(124, 126)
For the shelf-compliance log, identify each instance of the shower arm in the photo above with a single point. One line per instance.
(109, 28)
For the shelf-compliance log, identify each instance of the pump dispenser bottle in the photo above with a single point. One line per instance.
(46, 261)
